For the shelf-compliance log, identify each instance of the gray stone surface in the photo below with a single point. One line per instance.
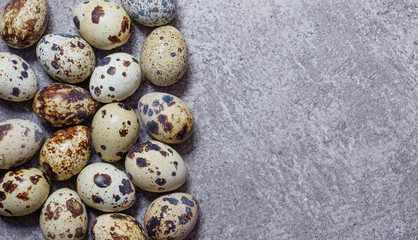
(306, 117)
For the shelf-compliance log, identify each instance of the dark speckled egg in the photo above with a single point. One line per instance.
(171, 216)
(63, 105)
(151, 13)
(22, 191)
(104, 187)
(117, 226)
(66, 152)
(166, 117)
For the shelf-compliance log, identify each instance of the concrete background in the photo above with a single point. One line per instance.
(305, 111)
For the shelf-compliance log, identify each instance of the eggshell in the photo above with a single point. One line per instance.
(155, 167)
(164, 56)
(166, 117)
(66, 152)
(115, 129)
(105, 25)
(19, 141)
(17, 79)
(62, 104)
(63, 216)
(66, 58)
(172, 216)
(23, 22)
(115, 78)
(106, 188)
(151, 13)
(116, 226)
(22, 191)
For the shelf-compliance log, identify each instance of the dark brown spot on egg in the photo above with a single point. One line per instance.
(142, 162)
(111, 71)
(102, 180)
(135, 60)
(125, 24)
(117, 216)
(1, 205)
(80, 45)
(4, 129)
(126, 187)
(96, 14)
(113, 39)
(103, 147)
(75, 207)
(183, 133)
(76, 22)
(167, 126)
(97, 199)
(171, 227)
(35, 179)
(97, 91)
(9, 186)
(152, 127)
(124, 74)
(124, 106)
(153, 226)
(2, 196)
(48, 170)
(16, 92)
(116, 197)
(23, 196)
(126, 63)
(79, 232)
(103, 113)
(70, 235)
(104, 61)
(55, 63)
(160, 181)
(123, 132)
(173, 174)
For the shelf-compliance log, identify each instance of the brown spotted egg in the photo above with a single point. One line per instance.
(66, 152)
(63, 216)
(115, 129)
(17, 79)
(63, 104)
(171, 216)
(155, 167)
(19, 141)
(22, 23)
(164, 56)
(115, 78)
(22, 191)
(104, 187)
(117, 226)
(66, 58)
(105, 25)
(166, 117)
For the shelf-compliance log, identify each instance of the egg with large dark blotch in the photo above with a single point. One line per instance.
(166, 117)
(104, 187)
(22, 23)
(171, 216)
(63, 104)
(66, 152)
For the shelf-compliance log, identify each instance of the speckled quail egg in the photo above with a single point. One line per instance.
(19, 141)
(164, 56)
(63, 104)
(17, 79)
(22, 191)
(115, 129)
(104, 187)
(152, 13)
(66, 58)
(105, 25)
(115, 78)
(66, 152)
(171, 216)
(63, 216)
(22, 23)
(166, 117)
(116, 226)
(155, 167)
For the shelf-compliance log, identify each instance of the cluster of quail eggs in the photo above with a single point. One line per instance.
(150, 165)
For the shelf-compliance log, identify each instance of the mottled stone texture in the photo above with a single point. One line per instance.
(305, 111)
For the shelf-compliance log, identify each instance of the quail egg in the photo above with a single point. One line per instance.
(117, 226)
(151, 13)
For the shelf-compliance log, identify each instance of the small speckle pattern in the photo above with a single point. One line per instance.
(22, 191)
(151, 13)
(105, 25)
(115, 129)
(63, 216)
(66, 58)
(117, 226)
(115, 78)
(166, 117)
(171, 216)
(23, 22)
(164, 56)
(63, 104)
(66, 152)
(155, 167)
(106, 188)
(19, 141)
(17, 79)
